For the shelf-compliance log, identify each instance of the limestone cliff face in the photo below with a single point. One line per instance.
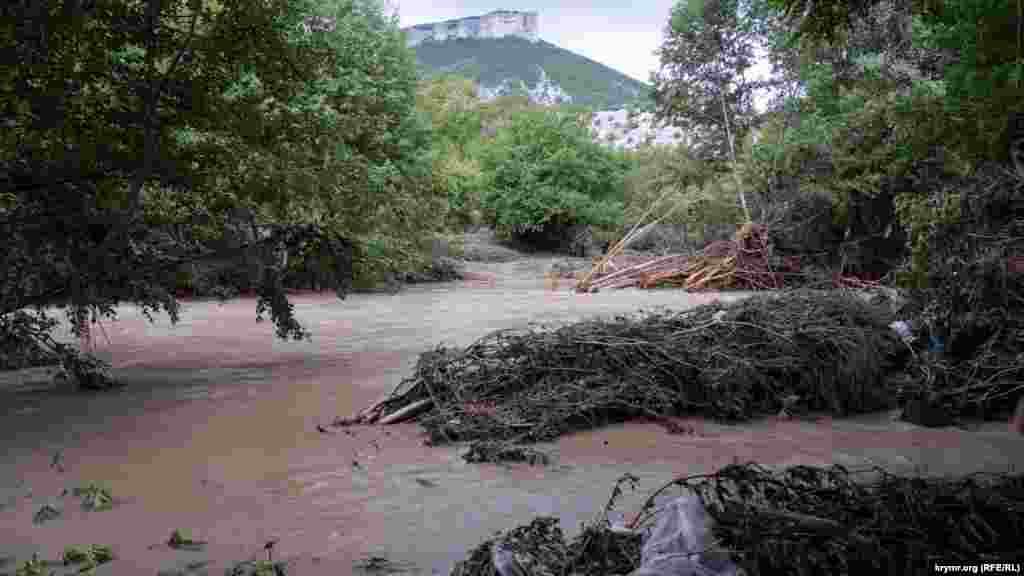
(495, 24)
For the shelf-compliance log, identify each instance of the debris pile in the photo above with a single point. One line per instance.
(741, 263)
(972, 304)
(803, 520)
(540, 549)
(818, 351)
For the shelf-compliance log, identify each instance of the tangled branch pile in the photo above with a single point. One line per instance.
(739, 264)
(809, 350)
(973, 301)
(540, 549)
(810, 520)
(807, 520)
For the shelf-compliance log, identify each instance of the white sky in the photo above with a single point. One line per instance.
(617, 33)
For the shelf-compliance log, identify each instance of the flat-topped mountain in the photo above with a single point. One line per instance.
(497, 24)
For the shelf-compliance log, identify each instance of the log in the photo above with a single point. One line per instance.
(637, 268)
(408, 411)
(633, 274)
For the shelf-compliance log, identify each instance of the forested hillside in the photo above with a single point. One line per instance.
(505, 65)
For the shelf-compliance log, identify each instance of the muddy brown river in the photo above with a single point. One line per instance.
(216, 434)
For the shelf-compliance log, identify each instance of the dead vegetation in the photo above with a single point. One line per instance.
(742, 263)
(803, 520)
(818, 351)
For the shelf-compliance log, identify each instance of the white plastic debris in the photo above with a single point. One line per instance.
(903, 329)
(505, 561)
(679, 544)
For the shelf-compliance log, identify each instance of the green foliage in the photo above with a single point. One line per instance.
(972, 52)
(94, 497)
(181, 541)
(454, 112)
(258, 568)
(882, 100)
(145, 137)
(492, 61)
(33, 567)
(656, 168)
(697, 196)
(859, 139)
(705, 84)
(88, 557)
(461, 179)
(903, 99)
(453, 108)
(923, 215)
(985, 81)
(20, 341)
(544, 170)
(823, 19)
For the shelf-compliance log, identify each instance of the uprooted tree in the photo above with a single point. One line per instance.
(143, 137)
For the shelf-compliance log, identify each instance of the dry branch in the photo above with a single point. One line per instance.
(408, 412)
(741, 263)
(803, 520)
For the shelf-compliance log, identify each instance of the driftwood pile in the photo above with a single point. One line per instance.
(820, 351)
(742, 263)
(970, 301)
(804, 520)
(811, 520)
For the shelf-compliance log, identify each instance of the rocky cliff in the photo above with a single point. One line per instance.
(497, 24)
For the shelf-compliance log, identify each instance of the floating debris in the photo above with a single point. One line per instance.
(47, 513)
(94, 497)
(500, 451)
(179, 541)
(381, 565)
(88, 556)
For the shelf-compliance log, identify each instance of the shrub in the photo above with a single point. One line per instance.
(545, 175)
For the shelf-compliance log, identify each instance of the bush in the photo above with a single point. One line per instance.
(545, 175)
(656, 169)
(458, 177)
(704, 201)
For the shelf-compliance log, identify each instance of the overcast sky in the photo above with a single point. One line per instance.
(617, 33)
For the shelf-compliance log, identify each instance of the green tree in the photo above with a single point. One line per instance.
(906, 98)
(545, 173)
(453, 110)
(705, 84)
(137, 132)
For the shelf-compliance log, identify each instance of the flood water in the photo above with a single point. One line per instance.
(216, 434)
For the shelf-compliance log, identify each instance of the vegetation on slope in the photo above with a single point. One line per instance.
(494, 61)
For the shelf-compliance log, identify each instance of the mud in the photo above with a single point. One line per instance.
(216, 434)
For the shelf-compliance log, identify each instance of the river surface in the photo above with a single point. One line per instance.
(215, 433)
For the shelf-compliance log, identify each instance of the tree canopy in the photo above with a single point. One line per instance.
(545, 171)
(136, 133)
(705, 84)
